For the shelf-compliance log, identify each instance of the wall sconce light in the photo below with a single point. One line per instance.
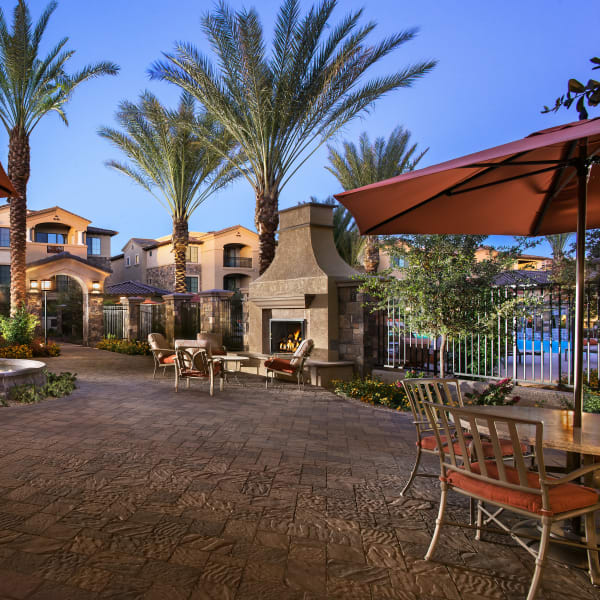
(33, 285)
(46, 285)
(95, 287)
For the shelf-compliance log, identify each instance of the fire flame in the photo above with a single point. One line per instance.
(291, 342)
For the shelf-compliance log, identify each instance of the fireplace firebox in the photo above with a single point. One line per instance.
(286, 334)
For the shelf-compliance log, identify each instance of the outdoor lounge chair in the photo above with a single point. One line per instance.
(293, 367)
(440, 391)
(197, 365)
(527, 493)
(163, 355)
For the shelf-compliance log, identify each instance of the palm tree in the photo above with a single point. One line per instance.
(280, 106)
(31, 86)
(563, 272)
(168, 159)
(369, 163)
(558, 242)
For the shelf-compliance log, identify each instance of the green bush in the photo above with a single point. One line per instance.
(19, 329)
(57, 386)
(123, 346)
(495, 394)
(373, 391)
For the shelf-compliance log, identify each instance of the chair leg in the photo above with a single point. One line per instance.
(211, 385)
(413, 473)
(438, 521)
(591, 539)
(188, 382)
(154, 374)
(479, 519)
(267, 379)
(540, 559)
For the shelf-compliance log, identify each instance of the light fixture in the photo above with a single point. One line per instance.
(46, 285)
(95, 287)
(33, 285)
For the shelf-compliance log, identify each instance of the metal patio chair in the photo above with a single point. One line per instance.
(197, 365)
(293, 367)
(164, 356)
(531, 494)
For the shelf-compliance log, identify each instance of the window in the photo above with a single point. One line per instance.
(4, 237)
(191, 254)
(93, 244)
(150, 252)
(4, 274)
(191, 284)
(50, 238)
(127, 261)
(137, 259)
(232, 282)
(398, 262)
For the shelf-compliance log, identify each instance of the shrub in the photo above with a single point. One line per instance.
(19, 329)
(373, 391)
(57, 386)
(123, 346)
(40, 349)
(495, 394)
(22, 351)
(591, 400)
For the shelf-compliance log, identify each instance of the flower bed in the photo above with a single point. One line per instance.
(374, 391)
(123, 346)
(56, 386)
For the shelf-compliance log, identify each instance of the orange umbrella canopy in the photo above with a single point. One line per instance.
(6, 186)
(526, 187)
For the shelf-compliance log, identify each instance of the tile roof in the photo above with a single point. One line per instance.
(101, 231)
(134, 288)
(65, 256)
(523, 277)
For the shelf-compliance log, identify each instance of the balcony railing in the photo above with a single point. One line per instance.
(237, 261)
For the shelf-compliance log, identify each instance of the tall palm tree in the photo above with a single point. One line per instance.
(171, 161)
(31, 86)
(563, 271)
(558, 242)
(281, 105)
(369, 163)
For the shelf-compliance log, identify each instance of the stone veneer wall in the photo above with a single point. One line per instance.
(357, 329)
(164, 277)
(100, 261)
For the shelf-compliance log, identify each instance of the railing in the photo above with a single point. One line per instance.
(237, 261)
(113, 320)
(535, 349)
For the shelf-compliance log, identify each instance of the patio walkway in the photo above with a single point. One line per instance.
(128, 490)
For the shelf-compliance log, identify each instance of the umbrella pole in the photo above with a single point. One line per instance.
(583, 174)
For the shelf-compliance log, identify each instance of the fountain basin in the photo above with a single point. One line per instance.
(20, 371)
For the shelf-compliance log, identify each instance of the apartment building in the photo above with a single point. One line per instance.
(225, 259)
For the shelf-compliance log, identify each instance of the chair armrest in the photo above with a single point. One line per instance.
(162, 350)
(572, 475)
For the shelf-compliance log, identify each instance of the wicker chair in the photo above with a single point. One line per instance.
(528, 493)
(164, 356)
(294, 367)
(197, 365)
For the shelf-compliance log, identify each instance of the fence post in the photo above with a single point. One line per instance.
(131, 316)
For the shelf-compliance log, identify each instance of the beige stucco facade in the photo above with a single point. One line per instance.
(216, 259)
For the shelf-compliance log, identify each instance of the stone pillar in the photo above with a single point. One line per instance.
(173, 304)
(95, 320)
(215, 311)
(131, 316)
(35, 305)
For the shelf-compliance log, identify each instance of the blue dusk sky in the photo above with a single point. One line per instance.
(499, 63)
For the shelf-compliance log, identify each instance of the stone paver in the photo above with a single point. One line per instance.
(129, 490)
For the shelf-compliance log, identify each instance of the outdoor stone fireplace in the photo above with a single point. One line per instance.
(301, 285)
(286, 334)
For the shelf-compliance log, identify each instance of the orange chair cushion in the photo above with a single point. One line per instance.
(563, 497)
(167, 360)
(280, 364)
(193, 373)
(429, 443)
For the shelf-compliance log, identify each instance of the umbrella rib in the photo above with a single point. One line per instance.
(558, 184)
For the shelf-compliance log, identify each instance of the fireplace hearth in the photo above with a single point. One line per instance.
(286, 334)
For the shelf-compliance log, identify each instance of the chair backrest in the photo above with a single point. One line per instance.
(302, 353)
(471, 430)
(438, 391)
(185, 360)
(157, 340)
(214, 342)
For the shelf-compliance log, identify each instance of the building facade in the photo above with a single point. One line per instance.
(225, 259)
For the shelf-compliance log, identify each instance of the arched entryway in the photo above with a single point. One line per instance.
(65, 309)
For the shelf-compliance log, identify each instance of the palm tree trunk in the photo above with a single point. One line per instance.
(371, 260)
(18, 172)
(266, 219)
(180, 244)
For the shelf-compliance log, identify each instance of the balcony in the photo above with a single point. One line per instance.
(239, 262)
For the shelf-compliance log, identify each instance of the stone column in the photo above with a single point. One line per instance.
(173, 303)
(215, 311)
(131, 316)
(95, 321)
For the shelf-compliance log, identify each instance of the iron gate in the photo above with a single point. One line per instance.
(152, 320)
(113, 320)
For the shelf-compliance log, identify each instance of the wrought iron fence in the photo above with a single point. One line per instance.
(113, 320)
(152, 320)
(537, 348)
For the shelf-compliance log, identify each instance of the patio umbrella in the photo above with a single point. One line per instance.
(548, 182)
(6, 186)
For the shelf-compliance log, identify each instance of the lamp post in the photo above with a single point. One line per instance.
(46, 286)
